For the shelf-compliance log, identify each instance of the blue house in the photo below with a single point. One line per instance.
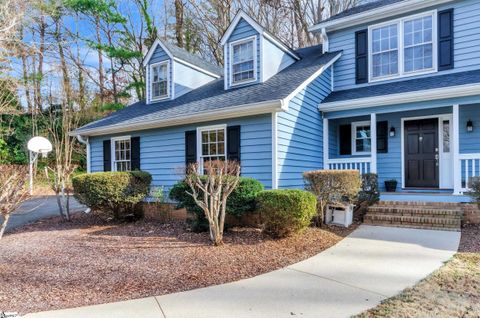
(394, 90)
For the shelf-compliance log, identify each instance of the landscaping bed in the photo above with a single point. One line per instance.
(451, 291)
(53, 264)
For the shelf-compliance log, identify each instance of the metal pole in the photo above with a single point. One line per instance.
(31, 173)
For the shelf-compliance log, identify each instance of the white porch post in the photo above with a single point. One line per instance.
(373, 138)
(457, 182)
(325, 144)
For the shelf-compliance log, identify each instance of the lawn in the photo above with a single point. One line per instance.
(451, 291)
(53, 264)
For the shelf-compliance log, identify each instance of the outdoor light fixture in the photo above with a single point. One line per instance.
(469, 126)
(392, 131)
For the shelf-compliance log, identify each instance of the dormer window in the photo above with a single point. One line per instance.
(243, 61)
(159, 80)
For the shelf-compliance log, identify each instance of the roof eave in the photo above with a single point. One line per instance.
(375, 14)
(403, 98)
(231, 112)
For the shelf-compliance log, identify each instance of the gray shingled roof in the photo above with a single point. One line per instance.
(192, 59)
(213, 96)
(362, 8)
(413, 85)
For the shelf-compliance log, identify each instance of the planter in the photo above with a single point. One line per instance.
(391, 185)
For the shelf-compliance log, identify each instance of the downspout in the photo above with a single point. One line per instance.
(87, 143)
(324, 38)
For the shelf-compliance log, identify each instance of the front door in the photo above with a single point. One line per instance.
(421, 153)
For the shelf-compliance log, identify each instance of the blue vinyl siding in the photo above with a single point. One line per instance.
(466, 44)
(300, 133)
(469, 141)
(162, 151)
(243, 30)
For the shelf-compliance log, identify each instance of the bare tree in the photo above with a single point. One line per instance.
(211, 190)
(13, 191)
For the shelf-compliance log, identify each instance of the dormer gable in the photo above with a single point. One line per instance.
(252, 55)
(172, 72)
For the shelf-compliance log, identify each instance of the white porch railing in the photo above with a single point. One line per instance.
(361, 164)
(469, 167)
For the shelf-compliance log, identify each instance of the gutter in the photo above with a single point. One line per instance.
(85, 141)
(403, 98)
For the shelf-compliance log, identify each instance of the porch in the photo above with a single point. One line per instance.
(431, 149)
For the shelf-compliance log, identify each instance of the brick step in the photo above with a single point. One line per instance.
(441, 205)
(414, 220)
(423, 227)
(420, 211)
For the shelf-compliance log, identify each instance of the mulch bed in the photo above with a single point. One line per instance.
(54, 264)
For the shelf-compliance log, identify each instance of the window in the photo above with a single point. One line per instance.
(159, 78)
(446, 136)
(361, 138)
(403, 47)
(243, 61)
(212, 143)
(122, 150)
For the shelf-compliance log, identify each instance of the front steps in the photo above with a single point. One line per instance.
(419, 215)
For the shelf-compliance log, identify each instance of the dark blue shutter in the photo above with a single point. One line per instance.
(361, 56)
(382, 136)
(107, 155)
(445, 40)
(233, 143)
(345, 134)
(190, 147)
(135, 155)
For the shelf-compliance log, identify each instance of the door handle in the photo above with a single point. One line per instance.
(436, 159)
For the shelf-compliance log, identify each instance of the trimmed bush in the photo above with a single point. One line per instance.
(369, 190)
(239, 203)
(332, 186)
(474, 186)
(114, 194)
(285, 212)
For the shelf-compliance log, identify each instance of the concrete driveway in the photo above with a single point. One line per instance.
(372, 264)
(38, 208)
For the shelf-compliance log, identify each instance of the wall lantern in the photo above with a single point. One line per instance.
(469, 126)
(392, 131)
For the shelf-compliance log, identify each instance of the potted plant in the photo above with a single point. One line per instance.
(391, 185)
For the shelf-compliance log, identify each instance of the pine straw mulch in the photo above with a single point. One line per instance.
(54, 264)
(451, 291)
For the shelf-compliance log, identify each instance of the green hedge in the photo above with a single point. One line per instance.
(285, 212)
(114, 193)
(240, 202)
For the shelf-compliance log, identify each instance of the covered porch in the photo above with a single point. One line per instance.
(431, 149)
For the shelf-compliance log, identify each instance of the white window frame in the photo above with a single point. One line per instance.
(230, 66)
(199, 142)
(152, 98)
(400, 44)
(112, 151)
(354, 137)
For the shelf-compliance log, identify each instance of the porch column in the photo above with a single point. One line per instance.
(457, 181)
(373, 143)
(325, 144)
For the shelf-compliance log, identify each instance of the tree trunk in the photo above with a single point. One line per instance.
(179, 31)
(4, 224)
(101, 75)
(39, 76)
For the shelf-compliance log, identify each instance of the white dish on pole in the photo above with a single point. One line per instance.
(37, 145)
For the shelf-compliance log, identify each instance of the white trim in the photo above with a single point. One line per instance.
(274, 151)
(199, 142)
(112, 150)
(169, 82)
(373, 142)
(376, 14)
(325, 41)
(287, 99)
(262, 58)
(152, 49)
(253, 39)
(176, 59)
(211, 115)
(455, 146)
(400, 23)
(326, 146)
(86, 142)
(403, 98)
(444, 182)
(353, 136)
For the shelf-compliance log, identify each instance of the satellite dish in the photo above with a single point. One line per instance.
(39, 145)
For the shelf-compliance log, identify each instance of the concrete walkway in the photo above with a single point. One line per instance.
(372, 264)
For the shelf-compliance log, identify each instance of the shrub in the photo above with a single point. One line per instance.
(369, 190)
(332, 186)
(239, 203)
(112, 193)
(286, 211)
(474, 186)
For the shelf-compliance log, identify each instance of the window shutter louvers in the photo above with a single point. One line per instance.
(135, 155)
(361, 56)
(382, 136)
(345, 139)
(107, 155)
(445, 40)
(233, 143)
(190, 147)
